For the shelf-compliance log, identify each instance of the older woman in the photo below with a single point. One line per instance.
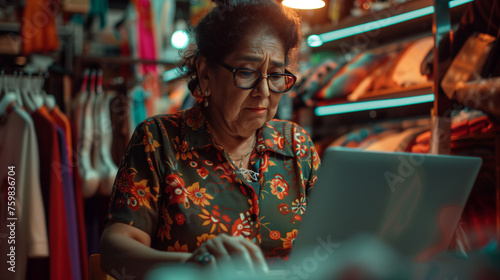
(221, 181)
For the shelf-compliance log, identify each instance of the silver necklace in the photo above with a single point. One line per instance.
(243, 156)
(254, 176)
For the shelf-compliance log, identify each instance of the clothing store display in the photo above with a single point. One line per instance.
(53, 197)
(350, 75)
(19, 148)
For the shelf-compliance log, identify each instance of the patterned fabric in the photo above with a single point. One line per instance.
(178, 186)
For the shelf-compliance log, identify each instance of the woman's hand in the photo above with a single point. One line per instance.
(228, 251)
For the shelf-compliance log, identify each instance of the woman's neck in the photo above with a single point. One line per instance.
(234, 144)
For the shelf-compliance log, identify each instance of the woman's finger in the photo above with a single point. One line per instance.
(239, 254)
(256, 255)
(217, 249)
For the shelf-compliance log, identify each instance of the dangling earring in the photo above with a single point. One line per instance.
(206, 98)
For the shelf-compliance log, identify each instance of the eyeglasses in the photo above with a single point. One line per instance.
(246, 78)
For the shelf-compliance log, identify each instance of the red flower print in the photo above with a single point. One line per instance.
(132, 203)
(184, 151)
(241, 227)
(214, 218)
(281, 143)
(299, 205)
(165, 224)
(203, 172)
(179, 219)
(125, 181)
(150, 164)
(120, 202)
(284, 209)
(275, 235)
(279, 186)
(265, 163)
(195, 119)
(301, 150)
(269, 143)
(142, 193)
(175, 187)
(149, 143)
(198, 195)
(290, 239)
(299, 138)
(203, 238)
(229, 173)
(178, 248)
(315, 158)
(278, 140)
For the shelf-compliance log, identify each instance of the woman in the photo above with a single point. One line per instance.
(221, 181)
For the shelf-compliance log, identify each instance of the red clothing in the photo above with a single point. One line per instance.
(62, 121)
(52, 191)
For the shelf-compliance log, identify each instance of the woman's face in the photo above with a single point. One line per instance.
(241, 112)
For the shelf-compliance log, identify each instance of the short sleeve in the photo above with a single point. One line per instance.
(135, 195)
(307, 157)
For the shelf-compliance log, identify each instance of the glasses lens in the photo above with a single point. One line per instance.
(281, 82)
(246, 78)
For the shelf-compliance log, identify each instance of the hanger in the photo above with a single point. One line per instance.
(14, 86)
(49, 99)
(99, 88)
(22, 81)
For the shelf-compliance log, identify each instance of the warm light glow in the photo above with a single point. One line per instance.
(304, 4)
(317, 40)
(372, 105)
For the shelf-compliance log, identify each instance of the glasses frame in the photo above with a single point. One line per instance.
(261, 76)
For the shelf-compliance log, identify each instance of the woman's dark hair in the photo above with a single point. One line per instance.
(219, 32)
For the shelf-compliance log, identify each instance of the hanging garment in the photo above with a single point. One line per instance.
(138, 111)
(63, 122)
(101, 157)
(53, 196)
(164, 15)
(38, 26)
(69, 196)
(148, 49)
(99, 8)
(19, 148)
(83, 124)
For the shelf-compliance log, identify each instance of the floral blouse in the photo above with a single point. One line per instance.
(181, 188)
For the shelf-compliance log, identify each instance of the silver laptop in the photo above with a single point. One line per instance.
(411, 202)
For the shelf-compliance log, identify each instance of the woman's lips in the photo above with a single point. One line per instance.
(258, 110)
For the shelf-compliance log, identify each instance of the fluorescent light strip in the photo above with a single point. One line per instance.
(372, 105)
(172, 74)
(317, 40)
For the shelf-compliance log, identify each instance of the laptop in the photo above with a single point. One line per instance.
(410, 202)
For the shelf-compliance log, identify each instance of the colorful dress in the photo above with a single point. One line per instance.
(176, 184)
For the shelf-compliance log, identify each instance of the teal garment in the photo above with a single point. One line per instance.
(99, 8)
(181, 188)
(138, 98)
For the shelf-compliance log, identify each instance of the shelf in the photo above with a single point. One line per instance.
(389, 98)
(15, 27)
(376, 28)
